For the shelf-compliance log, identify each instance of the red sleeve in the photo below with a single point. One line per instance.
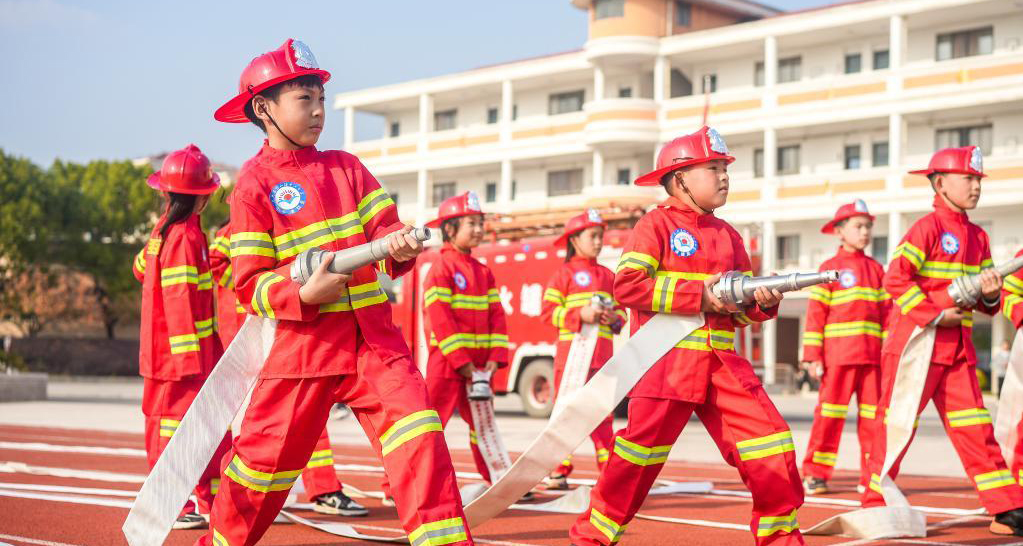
(498, 325)
(886, 308)
(985, 263)
(220, 259)
(637, 282)
(138, 265)
(378, 214)
(437, 297)
(262, 285)
(555, 312)
(182, 275)
(754, 313)
(816, 317)
(909, 256)
(1012, 297)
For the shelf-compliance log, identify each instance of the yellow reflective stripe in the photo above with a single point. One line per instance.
(170, 276)
(911, 253)
(168, 427)
(554, 296)
(214, 486)
(910, 299)
(967, 320)
(472, 436)
(768, 525)
(757, 448)
(435, 294)
(602, 455)
(409, 427)
(741, 318)
(465, 340)
(858, 293)
(1009, 305)
(825, 458)
(1014, 284)
(472, 303)
(967, 417)
(364, 295)
(703, 340)
(218, 539)
(316, 234)
(946, 270)
(439, 532)
(853, 328)
(221, 244)
(641, 455)
(558, 317)
(264, 482)
(324, 457)
(261, 296)
(664, 293)
(225, 279)
(821, 294)
(607, 526)
(813, 339)
(836, 411)
(497, 341)
(204, 328)
(493, 296)
(993, 480)
(184, 343)
(251, 243)
(140, 261)
(206, 281)
(868, 411)
(639, 261)
(374, 202)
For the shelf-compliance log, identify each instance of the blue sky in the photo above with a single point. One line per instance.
(123, 79)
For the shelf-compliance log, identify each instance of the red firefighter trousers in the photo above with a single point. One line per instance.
(448, 394)
(837, 387)
(749, 432)
(319, 477)
(601, 436)
(956, 395)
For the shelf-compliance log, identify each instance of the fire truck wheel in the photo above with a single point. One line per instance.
(536, 387)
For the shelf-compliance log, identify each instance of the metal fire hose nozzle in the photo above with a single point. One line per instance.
(602, 302)
(965, 290)
(347, 260)
(736, 290)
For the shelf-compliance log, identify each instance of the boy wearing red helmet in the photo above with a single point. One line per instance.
(677, 252)
(177, 348)
(334, 338)
(845, 323)
(566, 305)
(938, 248)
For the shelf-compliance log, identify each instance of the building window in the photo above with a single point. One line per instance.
(790, 70)
(788, 251)
(788, 159)
(515, 189)
(710, 83)
(965, 43)
(881, 59)
(853, 63)
(624, 92)
(491, 115)
(515, 112)
(491, 192)
(852, 156)
(758, 74)
(442, 191)
(683, 14)
(758, 163)
(603, 9)
(957, 137)
(445, 119)
(879, 248)
(624, 177)
(563, 103)
(879, 151)
(395, 129)
(564, 182)
(680, 84)
(394, 197)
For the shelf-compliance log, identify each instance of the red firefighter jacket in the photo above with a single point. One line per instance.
(230, 313)
(1012, 297)
(938, 248)
(177, 334)
(568, 291)
(464, 315)
(846, 319)
(671, 251)
(289, 201)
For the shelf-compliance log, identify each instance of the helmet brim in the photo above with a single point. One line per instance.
(653, 178)
(233, 111)
(830, 226)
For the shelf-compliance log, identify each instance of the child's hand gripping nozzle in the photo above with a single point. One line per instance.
(347, 260)
(965, 290)
(736, 290)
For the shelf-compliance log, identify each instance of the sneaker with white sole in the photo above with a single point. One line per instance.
(190, 520)
(338, 504)
(556, 482)
(815, 486)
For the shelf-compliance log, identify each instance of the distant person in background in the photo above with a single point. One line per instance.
(999, 364)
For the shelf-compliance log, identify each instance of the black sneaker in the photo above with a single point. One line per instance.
(190, 520)
(1008, 523)
(527, 497)
(338, 504)
(815, 486)
(556, 482)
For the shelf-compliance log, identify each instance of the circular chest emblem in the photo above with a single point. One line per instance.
(287, 197)
(683, 244)
(582, 278)
(847, 279)
(949, 243)
(460, 281)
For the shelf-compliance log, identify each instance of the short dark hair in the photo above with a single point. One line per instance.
(309, 81)
(842, 222)
(455, 223)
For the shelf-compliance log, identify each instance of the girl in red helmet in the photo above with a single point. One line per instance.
(177, 344)
(568, 305)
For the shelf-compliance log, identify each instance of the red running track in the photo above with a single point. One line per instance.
(74, 517)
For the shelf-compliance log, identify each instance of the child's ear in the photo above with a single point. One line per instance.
(259, 108)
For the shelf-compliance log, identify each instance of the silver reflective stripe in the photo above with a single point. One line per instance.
(369, 206)
(437, 533)
(258, 481)
(251, 243)
(649, 269)
(259, 291)
(776, 443)
(395, 436)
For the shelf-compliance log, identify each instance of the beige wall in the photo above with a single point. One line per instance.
(642, 18)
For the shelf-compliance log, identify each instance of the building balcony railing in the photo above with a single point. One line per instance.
(622, 120)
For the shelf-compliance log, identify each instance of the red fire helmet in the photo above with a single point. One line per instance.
(291, 60)
(185, 171)
(466, 204)
(848, 210)
(699, 147)
(965, 160)
(578, 223)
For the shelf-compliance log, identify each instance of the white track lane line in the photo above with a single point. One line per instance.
(65, 498)
(56, 448)
(68, 489)
(17, 467)
(27, 540)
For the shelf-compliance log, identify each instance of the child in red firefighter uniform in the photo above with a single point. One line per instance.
(567, 306)
(676, 254)
(1012, 308)
(845, 323)
(177, 348)
(319, 478)
(938, 248)
(464, 316)
(334, 338)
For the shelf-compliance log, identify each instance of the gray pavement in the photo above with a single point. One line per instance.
(113, 405)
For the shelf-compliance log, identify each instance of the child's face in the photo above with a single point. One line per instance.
(469, 233)
(299, 111)
(707, 182)
(856, 232)
(962, 189)
(588, 242)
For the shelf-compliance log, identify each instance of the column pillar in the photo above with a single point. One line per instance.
(770, 70)
(505, 187)
(769, 348)
(598, 83)
(422, 195)
(598, 169)
(425, 120)
(507, 106)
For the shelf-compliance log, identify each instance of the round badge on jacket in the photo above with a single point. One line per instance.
(949, 243)
(287, 197)
(847, 279)
(582, 278)
(460, 281)
(683, 244)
